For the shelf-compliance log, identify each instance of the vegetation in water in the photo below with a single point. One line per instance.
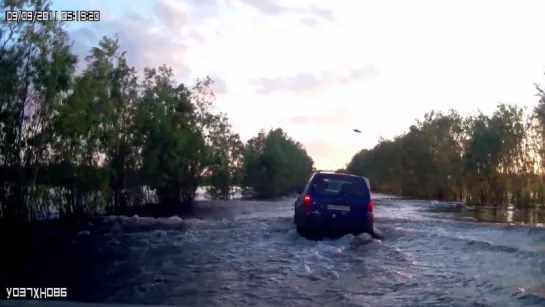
(107, 139)
(479, 159)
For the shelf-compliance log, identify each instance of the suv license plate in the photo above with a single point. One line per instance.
(337, 207)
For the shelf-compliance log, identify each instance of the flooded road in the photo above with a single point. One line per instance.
(248, 253)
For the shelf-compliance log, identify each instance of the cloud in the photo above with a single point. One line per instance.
(105, 14)
(309, 21)
(172, 17)
(219, 87)
(336, 116)
(309, 15)
(321, 12)
(198, 37)
(266, 6)
(201, 3)
(309, 81)
(274, 7)
(146, 46)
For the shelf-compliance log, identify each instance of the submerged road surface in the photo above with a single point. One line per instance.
(248, 254)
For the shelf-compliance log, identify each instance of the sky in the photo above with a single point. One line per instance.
(319, 68)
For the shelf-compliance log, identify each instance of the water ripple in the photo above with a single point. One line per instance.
(255, 257)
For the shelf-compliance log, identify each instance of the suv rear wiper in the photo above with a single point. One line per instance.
(346, 193)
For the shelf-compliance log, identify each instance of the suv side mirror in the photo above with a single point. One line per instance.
(298, 191)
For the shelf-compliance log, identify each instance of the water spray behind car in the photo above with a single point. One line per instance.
(376, 233)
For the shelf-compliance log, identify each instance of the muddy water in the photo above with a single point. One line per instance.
(247, 253)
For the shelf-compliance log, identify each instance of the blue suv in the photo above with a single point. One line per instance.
(332, 202)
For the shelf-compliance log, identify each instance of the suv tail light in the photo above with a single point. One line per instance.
(306, 202)
(370, 207)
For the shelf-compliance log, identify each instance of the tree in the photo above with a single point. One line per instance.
(102, 139)
(478, 159)
(36, 71)
(275, 165)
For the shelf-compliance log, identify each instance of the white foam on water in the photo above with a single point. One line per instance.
(307, 268)
(173, 220)
(137, 220)
(382, 196)
(361, 239)
(322, 257)
(83, 233)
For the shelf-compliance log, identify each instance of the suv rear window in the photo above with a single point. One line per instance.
(339, 185)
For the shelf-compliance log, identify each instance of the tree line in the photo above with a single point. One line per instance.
(478, 159)
(110, 137)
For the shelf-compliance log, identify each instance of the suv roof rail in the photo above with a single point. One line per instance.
(337, 171)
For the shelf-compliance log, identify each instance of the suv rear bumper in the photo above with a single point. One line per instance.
(334, 225)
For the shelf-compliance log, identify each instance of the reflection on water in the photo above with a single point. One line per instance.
(496, 214)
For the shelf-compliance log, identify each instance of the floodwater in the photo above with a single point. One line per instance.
(509, 214)
(247, 253)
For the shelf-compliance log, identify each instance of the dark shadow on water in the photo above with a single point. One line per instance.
(78, 251)
(495, 214)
